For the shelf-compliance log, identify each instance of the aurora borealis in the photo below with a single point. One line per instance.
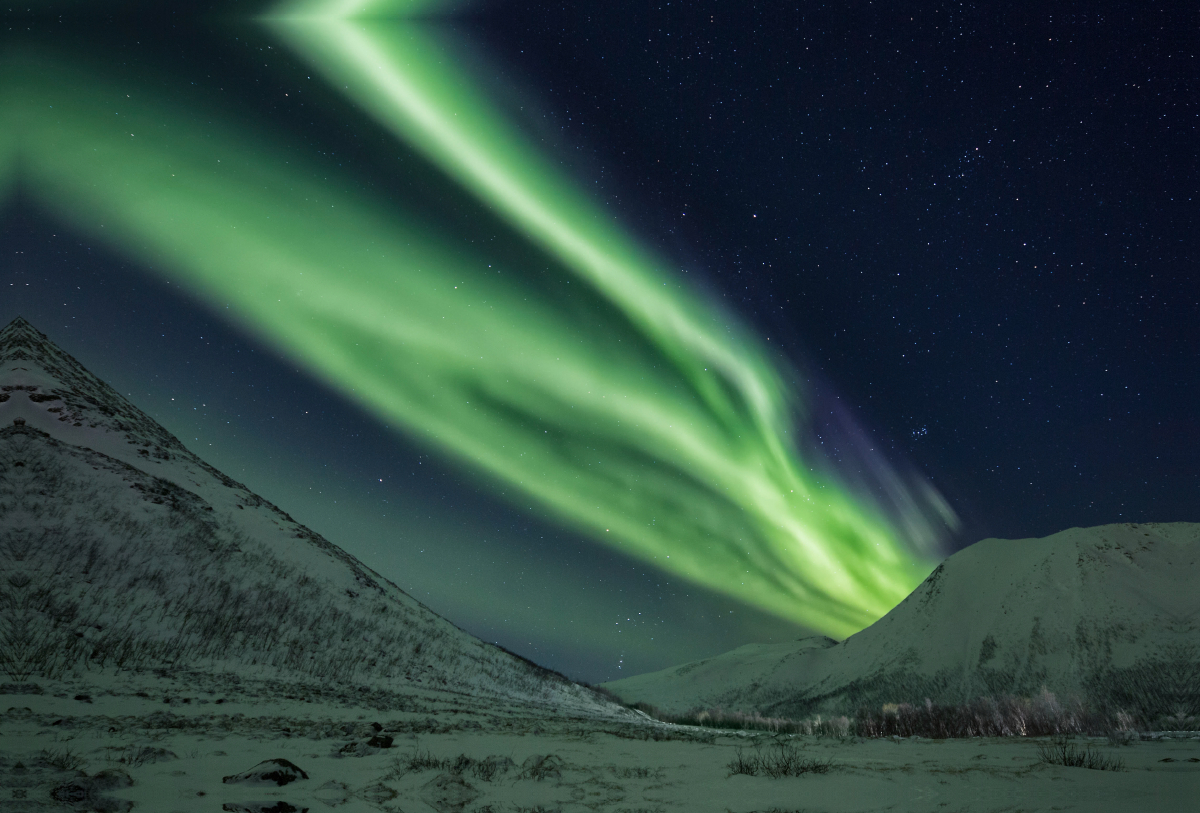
(531, 335)
(642, 419)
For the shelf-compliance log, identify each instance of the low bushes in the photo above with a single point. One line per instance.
(1062, 752)
(776, 763)
(1040, 716)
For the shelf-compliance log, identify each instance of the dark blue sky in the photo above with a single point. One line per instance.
(977, 220)
(972, 224)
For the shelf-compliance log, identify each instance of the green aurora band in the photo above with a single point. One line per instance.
(642, 417)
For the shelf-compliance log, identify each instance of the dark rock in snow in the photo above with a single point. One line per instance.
(263, 807)
(277, 772)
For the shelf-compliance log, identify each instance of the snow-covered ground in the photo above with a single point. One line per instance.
(171, 642)
(173, 757)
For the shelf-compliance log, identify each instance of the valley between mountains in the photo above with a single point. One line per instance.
(169, 641)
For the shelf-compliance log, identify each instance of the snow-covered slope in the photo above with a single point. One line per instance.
(1108, 615)
(123, 553)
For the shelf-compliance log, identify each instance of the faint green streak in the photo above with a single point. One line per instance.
(682, 457)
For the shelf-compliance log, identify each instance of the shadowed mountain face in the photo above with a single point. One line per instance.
(121, 552)
(1106, 616)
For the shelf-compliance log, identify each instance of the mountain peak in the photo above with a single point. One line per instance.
(25, 341)
(123, 555)
(19, 322)
(45, 387)
(1106, 615)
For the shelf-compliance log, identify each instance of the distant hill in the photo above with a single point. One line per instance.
(123, 553)
(1109, 616)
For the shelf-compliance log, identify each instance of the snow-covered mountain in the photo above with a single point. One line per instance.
(122, 554)
(1109, 616)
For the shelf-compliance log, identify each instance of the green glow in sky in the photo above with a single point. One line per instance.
(640, 415)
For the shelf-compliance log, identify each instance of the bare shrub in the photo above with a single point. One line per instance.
(137, 755)
(1062, 751)
(1006, 716)
(741, 765)
(61, 759)
(780, 761)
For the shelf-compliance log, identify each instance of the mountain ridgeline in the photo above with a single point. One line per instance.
(1105, 619)
(123, 553)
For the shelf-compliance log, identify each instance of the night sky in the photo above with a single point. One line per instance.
(966, 231)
